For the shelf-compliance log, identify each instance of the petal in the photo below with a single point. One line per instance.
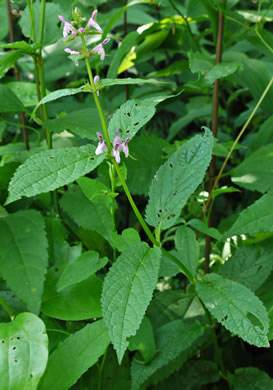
(102, 147)
(96, 79)
(106, 40)
(93, 23)
(115, 153)
(125, 149)
(67, 50)
(117, 140)
(99, 135)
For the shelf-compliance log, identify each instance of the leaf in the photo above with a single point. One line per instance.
(130, 118)
(250, 378)
(9, 101)
(74, 356)
(203, 228)
(23, 46)
(128, 81)
(222, 70)
(256, 171)
(23, 255)
(59, 94)
(187, 247)
(91, 215)
(84, 123)
(236, 308)
(177, 179)
(7, 60)
(250, 266)
(23, 349)
(123, 241)
(127, 291)
(94, 190)
(258, 217)
(84, 266)
(25, 91)
(51, 169)
(144, 341)
(171, 339)
(147, 153)
(4, 25)
(78, 302)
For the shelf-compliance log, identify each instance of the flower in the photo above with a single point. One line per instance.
(102, 147)
(96, 79)
(71, 51)
(99, 48)
(92, 23)
(120, 146)
(68, 27)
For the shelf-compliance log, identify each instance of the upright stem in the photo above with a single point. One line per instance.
(214, 126)
(124, 36)
(17, 76)
(7, 308)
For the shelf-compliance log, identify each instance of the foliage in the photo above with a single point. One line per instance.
(136, 243)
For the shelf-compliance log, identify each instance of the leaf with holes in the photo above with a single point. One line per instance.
(171, 339)
(236, 307)
(127, 291)
(51, 169)
(23, 255)
(23, 351)
(74, 356)
(177, 179)
(130, 118)
(250, 266)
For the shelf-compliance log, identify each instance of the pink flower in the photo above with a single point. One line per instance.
(120, 146)
(92, 23)
(99, 48)
(67, 27)
(96, 79)
(102, 147)
(71, 51)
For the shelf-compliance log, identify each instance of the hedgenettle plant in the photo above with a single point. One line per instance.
(88, 305)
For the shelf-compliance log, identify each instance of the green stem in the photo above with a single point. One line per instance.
(101, 369)
(32, 21)
(145, 227)
(113, 185)
(59, 331)
(42, 24)
(7, 308)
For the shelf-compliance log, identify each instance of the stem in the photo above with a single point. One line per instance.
(237, 140)
(17, 75)
(59, 331)
(32, 21)
(113, 185)
(101, 369)
(215, 110)
(42, 23)
(7, 308)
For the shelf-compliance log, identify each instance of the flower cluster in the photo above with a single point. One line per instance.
(70, 31)
(118, 146)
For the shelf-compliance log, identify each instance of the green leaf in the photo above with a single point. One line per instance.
(177, 179)
(25, 91)
(94, 190)
(202, 227)
(7, 60)
(250, 378)
(78, 302)
(75, 356)
(84, 123)
(236, 308)
(23, 346)
(147, 153)
(51, 169)
(222, 70)
(256, 171)
(123, 241)
(188, 248)
(4, 25)
(250, 266)
(91, 215)
(144, 341)
(22, 46)
(127, 291)
(84, 266)
(121, 52)
(23, 255)
(59, 94)
(9, 101)
(130, 118)
(128, 81)
(171, 339)
(256, 218)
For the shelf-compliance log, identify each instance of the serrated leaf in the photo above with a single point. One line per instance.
(250, 266)
(177, 179)
(256, 171)
(250, 378)
(256, 218)
(236, 308)
(75, 356)
(23, 255)
(84, 266)
(127, 291)
(202, 227)
(23, 350)
(80, 301)
(222, 70)
(187, 247)
(123, 241)
(130, 118)
(91, 215)
(171, 339)
(51, 169)
(9, 101)
(144, 341)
